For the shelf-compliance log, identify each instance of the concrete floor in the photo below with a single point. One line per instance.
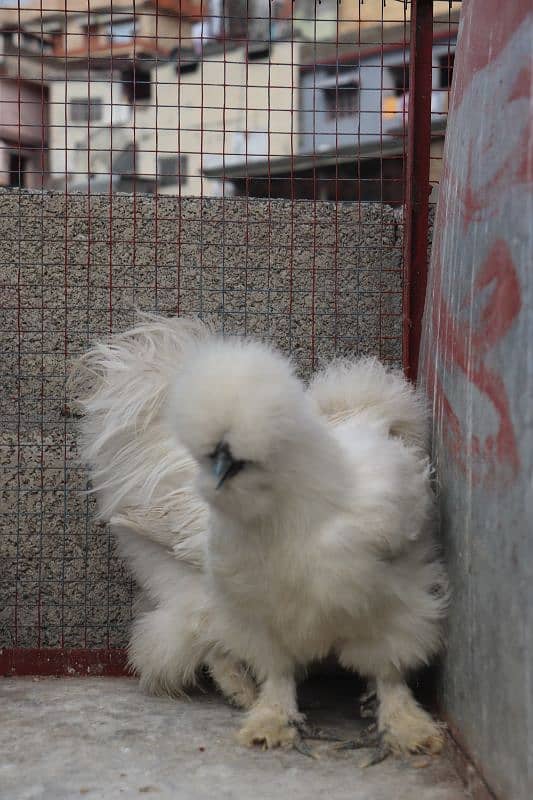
(101, 738)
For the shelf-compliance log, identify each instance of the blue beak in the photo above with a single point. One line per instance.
(224, 466)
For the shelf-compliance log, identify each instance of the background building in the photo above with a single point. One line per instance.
(352, 113)
(204, 97)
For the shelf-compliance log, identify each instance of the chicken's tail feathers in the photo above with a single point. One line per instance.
(120, 387)
(365, 387)
(132, 367)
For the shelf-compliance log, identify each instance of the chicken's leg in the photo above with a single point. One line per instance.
(273, 719)
(233, 679)
(404, 725)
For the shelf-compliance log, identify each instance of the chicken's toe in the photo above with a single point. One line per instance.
(368, 737)
(267, 727)
(413, 730)
(307, 731)
(377, 755)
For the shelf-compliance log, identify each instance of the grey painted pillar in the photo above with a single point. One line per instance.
(477, 366)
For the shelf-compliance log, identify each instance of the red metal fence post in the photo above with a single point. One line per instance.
(417, 181)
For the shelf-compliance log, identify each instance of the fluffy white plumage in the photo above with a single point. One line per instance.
(269, 524)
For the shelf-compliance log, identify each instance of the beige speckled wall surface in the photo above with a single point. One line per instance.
(316, 278)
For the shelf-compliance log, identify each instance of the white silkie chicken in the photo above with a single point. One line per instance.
(269, 524)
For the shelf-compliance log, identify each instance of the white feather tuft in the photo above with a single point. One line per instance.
(366, 388)
(139, 474)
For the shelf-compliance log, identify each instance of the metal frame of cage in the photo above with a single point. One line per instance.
(112, 661)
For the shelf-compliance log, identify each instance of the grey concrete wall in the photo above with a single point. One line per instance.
(477, 364)
(318, 279)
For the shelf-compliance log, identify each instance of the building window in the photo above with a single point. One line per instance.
(18, 170)
(340, 89)
(136, 84)
(257, 51)
(442, 82)
(121, 31)
(172, 170)
(342, 101)
(85, 110)
(186, 66)
(32, 43)
(446, 70)
(400, 78)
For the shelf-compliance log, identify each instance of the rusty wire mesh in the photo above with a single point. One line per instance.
(241, 159)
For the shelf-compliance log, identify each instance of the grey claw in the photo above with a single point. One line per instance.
(379, 754)
(316, 734)
(301, 747)
(368, 703)
(367, 738)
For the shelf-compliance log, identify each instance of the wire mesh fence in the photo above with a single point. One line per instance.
(241, 159)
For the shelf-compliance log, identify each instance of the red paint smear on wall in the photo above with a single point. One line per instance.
(465, 348)
(504, 304)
